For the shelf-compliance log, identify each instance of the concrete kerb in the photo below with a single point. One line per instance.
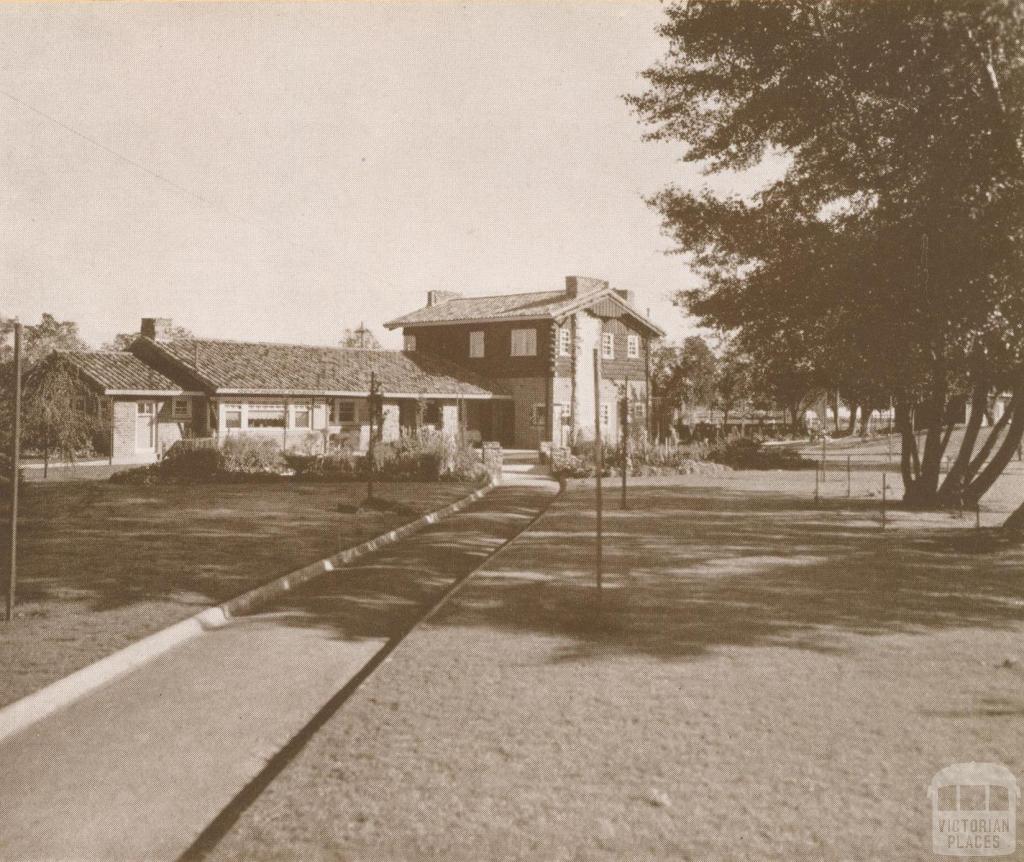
(33, 707)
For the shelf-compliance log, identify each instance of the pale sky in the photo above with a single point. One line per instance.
(325, 164)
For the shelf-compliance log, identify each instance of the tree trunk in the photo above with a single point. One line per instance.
(994, 469)
(978, 461)
(951, 488)
(851, 428)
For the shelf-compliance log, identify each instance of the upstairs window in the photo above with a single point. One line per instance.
(343, 411)
(476, 345)
(564, 341)
(524, 342)
(181, 408)
(410, 344)
(607, 345)
(633, 347)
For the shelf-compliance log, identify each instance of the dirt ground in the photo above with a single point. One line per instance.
(765, 679)
(101, 565)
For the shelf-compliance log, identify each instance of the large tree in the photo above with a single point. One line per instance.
(891, 249)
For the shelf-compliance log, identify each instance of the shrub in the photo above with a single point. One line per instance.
(430, 456)
(248, 453)
(196, 464)
(337, 466)
(147, 475)
(743, 453)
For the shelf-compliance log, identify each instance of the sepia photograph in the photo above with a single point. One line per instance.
(484, 430)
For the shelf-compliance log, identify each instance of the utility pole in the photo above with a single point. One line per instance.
(373, 401)
(598, 462)
(15, 465)
(625, 442)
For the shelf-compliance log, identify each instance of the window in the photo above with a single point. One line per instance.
(80, 403)
(607, 345)
(476, 345)
(343, 411)
(233, 416)
(301, 416)
(633, 347)
(146, 408)
(105, 407)
(537, 417)
(524, 342)
(564, 341)
(639, 408)
(606, 414)
(410, 344)
(432, 413)
(266, 416)
(181, 408)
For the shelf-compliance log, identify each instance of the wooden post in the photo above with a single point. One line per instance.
(12, 579)
(598, 463)
(883, 499)
(372, 402)
(816, 494)
(625, 443)
(977, 514)
(848, 476)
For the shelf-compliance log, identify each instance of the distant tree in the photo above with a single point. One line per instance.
(361, 338)
(123, 340)
(734, 383)
(38, 342)
(56, 413)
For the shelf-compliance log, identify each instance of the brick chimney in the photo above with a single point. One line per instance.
(440, 297)
(578, 285)
(626, 295)
(157, 328)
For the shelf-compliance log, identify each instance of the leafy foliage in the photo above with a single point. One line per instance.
(887, 259)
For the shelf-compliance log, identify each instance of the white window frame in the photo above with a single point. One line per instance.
(564, 341)
(177, 414)
(633, 346)
(639, 408)
(275, 407)
(607, 345)
(477, 344)
(336, 411)
(409, 344)
(145, 408)
(524, 342)
(295, 409)
(234, 408)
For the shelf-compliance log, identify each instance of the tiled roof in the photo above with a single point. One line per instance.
(511, 306)
(289, 368)
(119, 371)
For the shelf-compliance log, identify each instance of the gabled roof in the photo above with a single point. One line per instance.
(546, 305)
(245, 367)
(119, 372)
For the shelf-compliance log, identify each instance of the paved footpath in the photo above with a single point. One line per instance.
(139, 768)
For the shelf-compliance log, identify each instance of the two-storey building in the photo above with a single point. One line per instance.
(540, 348)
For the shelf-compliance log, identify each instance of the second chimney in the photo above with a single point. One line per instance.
(439, 297)
(157, 328)
(577, 285)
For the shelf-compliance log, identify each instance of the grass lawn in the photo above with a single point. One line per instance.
(767, 680)
(101, 565)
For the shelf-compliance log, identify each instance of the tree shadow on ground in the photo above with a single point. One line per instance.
(687, 570)
(109, 547)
